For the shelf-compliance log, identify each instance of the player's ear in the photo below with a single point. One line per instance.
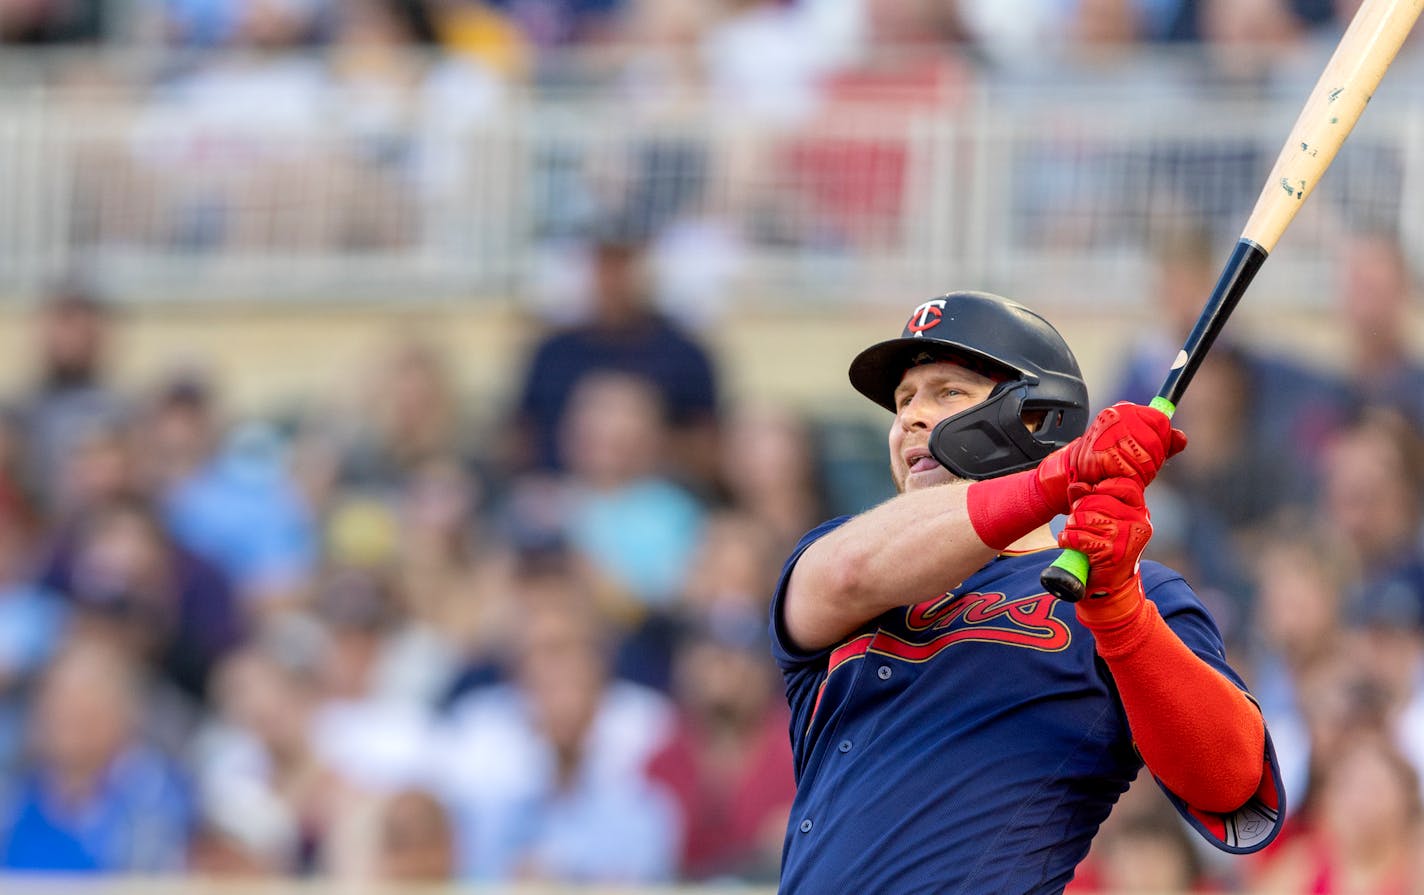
(1033, 420)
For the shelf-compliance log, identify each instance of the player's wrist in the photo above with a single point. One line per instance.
(1116, 611)
(1053, 478)
(1004, 509)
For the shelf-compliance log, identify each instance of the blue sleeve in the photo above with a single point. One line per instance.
(802, 671)
(1254, 825)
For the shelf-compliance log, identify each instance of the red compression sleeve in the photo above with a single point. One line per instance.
(1006, 508)
(1197, 732)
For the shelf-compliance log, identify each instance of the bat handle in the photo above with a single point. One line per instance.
(1067, 577)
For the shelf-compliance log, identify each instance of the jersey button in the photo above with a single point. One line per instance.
(806, 825)
(845, 745)
(884, 672)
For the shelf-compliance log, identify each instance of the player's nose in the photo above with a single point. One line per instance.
(918, 412)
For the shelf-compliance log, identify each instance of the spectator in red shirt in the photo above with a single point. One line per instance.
(728, 762)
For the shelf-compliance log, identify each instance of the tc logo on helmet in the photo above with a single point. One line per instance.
(927, 316)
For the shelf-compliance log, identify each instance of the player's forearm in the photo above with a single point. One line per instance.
(909, 548)
(1196, 731)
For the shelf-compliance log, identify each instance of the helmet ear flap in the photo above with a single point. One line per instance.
(990, 438)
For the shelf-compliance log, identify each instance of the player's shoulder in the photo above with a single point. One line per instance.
(1167, 587)
(815, 534)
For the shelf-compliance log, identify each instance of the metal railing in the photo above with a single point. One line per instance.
(282, 184)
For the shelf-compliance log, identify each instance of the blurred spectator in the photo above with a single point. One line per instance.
(1248, 39)
(853, 179)
(1363, 831)
(1143, 847)
(1233, 473)
(96, 798)
(624, 334)
(729, 761)
(474, 30)
(734, 565)
(226, 494)
(32, 620)
(456, 611)
(409, 415)
(553, 23)
(546, 774)
(731, 570)
(1017, 35)
(101, 467)
(1374, 498)
(765, 62)
(770, 470)
(636, 526)
(50, 21)
(266, 797)
(71, 395)
(417, 840)
(373, 741)
(1299, 578)
(1276, 411)
(1375, 305)
(265, 24)
(124, 576)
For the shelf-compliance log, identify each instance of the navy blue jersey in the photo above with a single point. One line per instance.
(973, 741)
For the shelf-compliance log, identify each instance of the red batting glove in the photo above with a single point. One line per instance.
(1124, 441)
(1111, 526)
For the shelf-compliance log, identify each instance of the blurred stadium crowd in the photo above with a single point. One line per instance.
(404, 644)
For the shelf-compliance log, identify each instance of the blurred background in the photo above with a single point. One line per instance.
(406, 407)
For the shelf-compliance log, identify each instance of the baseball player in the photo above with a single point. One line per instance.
(955, 728)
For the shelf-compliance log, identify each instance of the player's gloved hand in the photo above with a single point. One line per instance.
(1125, 440)
(1111, 526)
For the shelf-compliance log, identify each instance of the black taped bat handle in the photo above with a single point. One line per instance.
(1066, 578)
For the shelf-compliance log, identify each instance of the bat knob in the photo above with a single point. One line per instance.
(1067, 577)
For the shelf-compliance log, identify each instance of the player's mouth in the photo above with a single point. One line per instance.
(920, 460)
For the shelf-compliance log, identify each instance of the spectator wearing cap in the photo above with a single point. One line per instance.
(728, 762)
(623, 333)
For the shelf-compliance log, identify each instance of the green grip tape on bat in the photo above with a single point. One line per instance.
(1067, 577)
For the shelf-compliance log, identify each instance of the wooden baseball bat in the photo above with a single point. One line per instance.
(1354, 71)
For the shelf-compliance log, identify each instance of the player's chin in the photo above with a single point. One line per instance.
(927, 478)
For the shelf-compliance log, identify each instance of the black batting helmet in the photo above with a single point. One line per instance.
(1035, 368)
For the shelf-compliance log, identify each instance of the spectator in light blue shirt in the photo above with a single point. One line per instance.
(231, 500)
(633, 522)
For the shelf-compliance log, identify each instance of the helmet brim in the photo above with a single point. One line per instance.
(876, 372)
